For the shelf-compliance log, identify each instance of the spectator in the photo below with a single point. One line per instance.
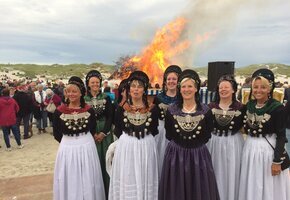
(105, 84)
(122, 93)
(9, 108)
(40, 96)
(59, 90)
(247, 84)
(51, 97)
(30, 91)
(1, 87)
(107, 91)
(25, 102)
(157, 86)
(115, 91)
(204, 84)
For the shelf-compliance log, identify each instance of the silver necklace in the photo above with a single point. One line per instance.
(189, 111)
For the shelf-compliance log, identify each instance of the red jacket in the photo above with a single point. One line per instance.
(55, 99)
(8, 110)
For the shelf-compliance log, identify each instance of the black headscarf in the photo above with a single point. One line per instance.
(93, 73)
(267, 74)
(172, 68)
(230, 78)
(77, 81)
(121, 88)
(143, 78)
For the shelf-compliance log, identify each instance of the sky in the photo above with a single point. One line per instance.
(89, 31)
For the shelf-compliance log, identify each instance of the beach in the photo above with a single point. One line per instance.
(37, 156)
(31, 168)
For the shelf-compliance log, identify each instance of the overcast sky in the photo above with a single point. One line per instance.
(87, 31)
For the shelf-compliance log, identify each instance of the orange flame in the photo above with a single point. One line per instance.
(158, 55)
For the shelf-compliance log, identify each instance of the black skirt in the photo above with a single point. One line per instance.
(187, 174)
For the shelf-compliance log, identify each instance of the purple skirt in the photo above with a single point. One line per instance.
(187, 174)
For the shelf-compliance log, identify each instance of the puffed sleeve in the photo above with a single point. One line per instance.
(92, 122)
(118, 121)
(57, 125)
(240, 119)
(287, 107)
(211, 105)
(243, 110)
(154, 122)
(156, 102)
(209, 118)
(169, 127)
(287, 111)
(279, 116)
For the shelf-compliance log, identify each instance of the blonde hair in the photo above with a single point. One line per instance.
(186, 79)
(265, 82)
(71, 85)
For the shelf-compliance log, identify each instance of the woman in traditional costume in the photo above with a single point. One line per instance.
(135, 167)
(262, 177)
(163, 100)
(77, 172)
(226, 143)
(104, 112)
(187, 171)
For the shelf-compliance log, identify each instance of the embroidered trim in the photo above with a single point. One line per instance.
(255, 121)
(75, 121)
(224, 117)
(188, 123)
(137, 118)
(163, 106)
(98, 105)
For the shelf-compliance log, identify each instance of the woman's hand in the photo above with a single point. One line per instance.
(99, 137)
(96, 137)
(276, 169)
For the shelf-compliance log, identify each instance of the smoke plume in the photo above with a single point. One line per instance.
(213, 20)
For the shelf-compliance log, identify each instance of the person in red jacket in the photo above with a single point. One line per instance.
(9, 108)
(51, 97)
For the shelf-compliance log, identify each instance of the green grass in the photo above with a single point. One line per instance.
(57, 71)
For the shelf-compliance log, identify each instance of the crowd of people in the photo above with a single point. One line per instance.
(123, 146)
(25, 102)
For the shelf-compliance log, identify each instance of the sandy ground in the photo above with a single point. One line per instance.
(37, 156)
(27, 174)
(37, 187)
